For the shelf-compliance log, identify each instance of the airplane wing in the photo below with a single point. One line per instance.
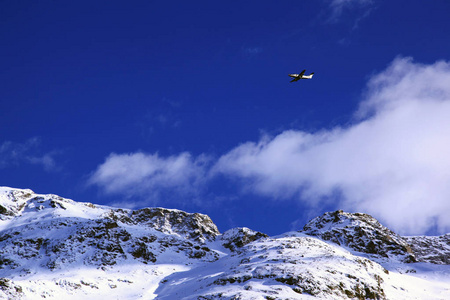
(297, 76)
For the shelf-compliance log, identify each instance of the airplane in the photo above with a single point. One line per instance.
(301, 76)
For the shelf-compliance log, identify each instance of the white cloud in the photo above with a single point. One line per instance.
(149, 175)
(338, 7)
(13, 154)
(393, 162)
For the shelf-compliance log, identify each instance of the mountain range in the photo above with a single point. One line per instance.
(57, 248)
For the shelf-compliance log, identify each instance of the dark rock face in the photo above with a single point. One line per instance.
(432, 249)
(3, 210)
(236, 238)
(193, 226)
(360, 232)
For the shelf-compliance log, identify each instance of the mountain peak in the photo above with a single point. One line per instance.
(52, 247)
(193, 226)
(360, 232)
(238, 237)
(13, 200)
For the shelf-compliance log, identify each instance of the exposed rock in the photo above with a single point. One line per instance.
(362, 233)
(236, 238)
(13, 201)
(432, 249)
(194, 226)
(141, 251)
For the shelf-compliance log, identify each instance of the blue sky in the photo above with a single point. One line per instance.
(189, 106)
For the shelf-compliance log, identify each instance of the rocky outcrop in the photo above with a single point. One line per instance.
(12, 201)
(431, 249)
(362, 233)
(193, 226)
(236, 238)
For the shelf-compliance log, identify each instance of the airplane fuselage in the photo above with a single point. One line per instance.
(301, 76)
(298, 76)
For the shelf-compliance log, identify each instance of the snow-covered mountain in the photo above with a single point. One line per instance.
(56, 248)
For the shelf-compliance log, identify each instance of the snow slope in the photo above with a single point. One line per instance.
(56, 248)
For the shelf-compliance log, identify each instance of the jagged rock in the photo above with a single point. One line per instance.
(360, 232)
(194, 226)
(13, 201)
(236, 238)
(432, 249)
(141, 251)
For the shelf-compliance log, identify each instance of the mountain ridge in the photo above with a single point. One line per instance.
(55, 247)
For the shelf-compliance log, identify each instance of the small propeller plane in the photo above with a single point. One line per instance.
(301, 76)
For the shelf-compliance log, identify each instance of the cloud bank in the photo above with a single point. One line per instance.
(149, 176)
(28, 152)
(392, 161)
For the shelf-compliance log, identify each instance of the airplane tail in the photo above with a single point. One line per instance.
(311, 74)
